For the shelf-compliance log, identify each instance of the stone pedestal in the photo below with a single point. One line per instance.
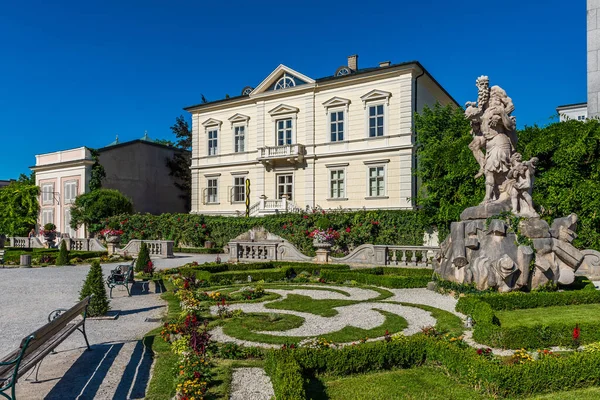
(25, 261)
(112, 248)
(322, 256)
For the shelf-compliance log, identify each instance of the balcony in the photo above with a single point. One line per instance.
(291, 153)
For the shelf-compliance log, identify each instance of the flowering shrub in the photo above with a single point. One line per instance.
(576, 335)
(316, 343)
(111, 232)
(544, 353)
(223, 310)
(521, 357)
(486, 353)
(194, 374)
(324, 236)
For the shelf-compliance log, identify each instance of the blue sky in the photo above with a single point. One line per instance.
(75, 73)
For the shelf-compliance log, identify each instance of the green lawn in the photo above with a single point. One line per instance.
(568, 315)
(415, 383)
(591, 393)
(446, 321)
(244, 328)
(297, 302)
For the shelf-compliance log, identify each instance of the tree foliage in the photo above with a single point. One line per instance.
(98, 172)
(143, 258)
(180, 163)
(63, 254)
(19, 207)
(94, 284)
(445, 165)
(94, 208)
(567, 178)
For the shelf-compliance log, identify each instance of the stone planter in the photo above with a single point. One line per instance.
(49, 238)
(113, 239)
(208, 244)
(322, 245)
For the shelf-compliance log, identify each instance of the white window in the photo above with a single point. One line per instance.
(47, 216)
(70, 192)
(67, 228)
(284, 131)
(212, 190)
(336, 126)
(376, 120)
(213, 141)
(239, 138)
(337, 181)
(47, 193)
(377, 181)
(285, 185)
(239, 189)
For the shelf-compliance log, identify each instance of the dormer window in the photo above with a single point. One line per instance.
(286, 81)
(343, 71)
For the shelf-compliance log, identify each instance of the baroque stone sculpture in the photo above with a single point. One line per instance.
(484, 247)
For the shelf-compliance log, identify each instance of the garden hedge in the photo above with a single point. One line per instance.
(13, 255)
(488, 330)
(292, 268)
(197, 250)
(393, 227)
(550, 374)
(414, 280)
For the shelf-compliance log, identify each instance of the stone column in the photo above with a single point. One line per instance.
(593, 58)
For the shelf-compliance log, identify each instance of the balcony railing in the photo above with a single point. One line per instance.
(293, 153)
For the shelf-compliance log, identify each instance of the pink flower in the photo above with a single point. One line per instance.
(348, 230)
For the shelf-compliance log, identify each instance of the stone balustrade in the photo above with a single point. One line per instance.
(25, 242)
(252, 251)
(156, 248)
(82, 244)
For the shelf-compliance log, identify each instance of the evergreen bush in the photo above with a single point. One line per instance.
(94, 285)
(143, 258)
(63, 254)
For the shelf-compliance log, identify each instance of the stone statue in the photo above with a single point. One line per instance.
(484, 247)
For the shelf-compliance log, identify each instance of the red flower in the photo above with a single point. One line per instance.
(203, 226)
(284, 226)
(348, 230)
(576, 332)
(305, 216)
(479, 351)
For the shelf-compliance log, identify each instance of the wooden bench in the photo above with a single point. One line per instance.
(121, 276)
(2, 257)
(39, 344)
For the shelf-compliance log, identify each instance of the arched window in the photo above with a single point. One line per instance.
(343, 71)
(286, 81)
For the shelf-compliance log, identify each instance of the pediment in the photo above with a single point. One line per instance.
(277, 74)
(336, 102)
(212, 122)
(283, 109)
(236, 118)
(376, 94)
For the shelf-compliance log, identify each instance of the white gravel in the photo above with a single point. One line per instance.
(321, 293)
(425, 297)
(361, 315)
(251, 384)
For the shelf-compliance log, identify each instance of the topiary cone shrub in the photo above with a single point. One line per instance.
(63, 254)
(94, 284)
(143, 258)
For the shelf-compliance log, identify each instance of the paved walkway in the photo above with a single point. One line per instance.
(118, 367)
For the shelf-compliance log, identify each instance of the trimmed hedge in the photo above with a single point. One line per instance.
(577, 370)
(389, 281)
(488, 330)
(13, 255)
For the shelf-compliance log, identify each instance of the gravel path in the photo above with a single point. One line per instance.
(425, 297)
(251, 384)
(356, 294)
(118, 367)
(361, 315)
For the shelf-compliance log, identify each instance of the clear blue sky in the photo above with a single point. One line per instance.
(79, 72)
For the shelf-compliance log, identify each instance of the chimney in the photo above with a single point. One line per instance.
(353, 62)
(385, 64)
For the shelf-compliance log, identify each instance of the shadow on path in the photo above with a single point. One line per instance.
(84, 380)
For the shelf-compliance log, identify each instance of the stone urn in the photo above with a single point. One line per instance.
(114, 239)
(49, 238)
(322, 245)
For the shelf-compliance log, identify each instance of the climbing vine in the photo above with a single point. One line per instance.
(98, 172)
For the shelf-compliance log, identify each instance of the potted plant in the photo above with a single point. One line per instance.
(49, 233)
(323, 239)
(112, 233)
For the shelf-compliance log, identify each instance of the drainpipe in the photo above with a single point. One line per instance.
(414, 135)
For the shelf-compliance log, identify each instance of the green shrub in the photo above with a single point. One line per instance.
(63, 254)
(94, 285)
(389, 281)
(197, 250)
(520, 300)
(143, 258)
(286, 375)
(257, 275)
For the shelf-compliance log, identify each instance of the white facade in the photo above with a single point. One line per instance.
(341, 141)
(572, 111)
(62, 176)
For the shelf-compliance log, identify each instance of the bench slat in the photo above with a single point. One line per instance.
(51, 328)
(31, 359)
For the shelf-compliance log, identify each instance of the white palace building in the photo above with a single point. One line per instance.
(345, 140)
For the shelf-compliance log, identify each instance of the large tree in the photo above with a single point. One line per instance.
(19, 207)
(180, 163)
(567, 178)
(94, 208)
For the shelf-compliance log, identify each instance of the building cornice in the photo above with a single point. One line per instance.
(60, 165)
